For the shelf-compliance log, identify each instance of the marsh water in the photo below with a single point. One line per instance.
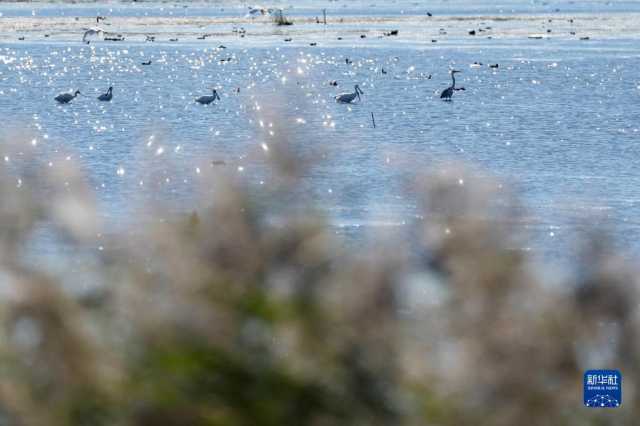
(558, 119)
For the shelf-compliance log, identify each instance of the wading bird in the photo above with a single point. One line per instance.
(448, 92)
(106, 97)
(206, 100)
(95, 31)
(65, 98)
(347, 98)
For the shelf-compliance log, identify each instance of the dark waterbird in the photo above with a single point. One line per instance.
(347, 98)
(206, 100)
(106, 97)
(448, 92)
(65, 98)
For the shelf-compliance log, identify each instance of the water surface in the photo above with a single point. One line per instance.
(558, 120)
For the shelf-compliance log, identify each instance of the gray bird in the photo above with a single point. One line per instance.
(206, 100)
(347, 98)
(448, 92)
(65, 98)
(106, 97)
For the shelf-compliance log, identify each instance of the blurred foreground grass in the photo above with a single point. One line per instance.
(229, 317)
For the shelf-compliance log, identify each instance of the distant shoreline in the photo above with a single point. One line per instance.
(412, 28)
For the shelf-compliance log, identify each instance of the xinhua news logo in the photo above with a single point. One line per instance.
(602, 389)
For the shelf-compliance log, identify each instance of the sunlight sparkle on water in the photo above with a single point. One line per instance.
(501, 109)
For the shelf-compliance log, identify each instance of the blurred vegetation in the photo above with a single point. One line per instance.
(229, 317)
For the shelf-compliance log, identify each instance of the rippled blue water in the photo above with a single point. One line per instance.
(558, 119)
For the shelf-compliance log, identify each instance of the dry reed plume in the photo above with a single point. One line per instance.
(227, 317)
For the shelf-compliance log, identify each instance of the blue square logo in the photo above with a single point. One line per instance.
(602, 388)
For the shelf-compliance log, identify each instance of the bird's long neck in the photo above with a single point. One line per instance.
(453, 79)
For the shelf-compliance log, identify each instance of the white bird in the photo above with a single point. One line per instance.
(206, 100)
(106, 97)
(347, 98)
(65, 98)
(93, 31)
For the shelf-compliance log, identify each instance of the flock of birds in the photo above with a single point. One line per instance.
(343, 98)
(65, 98)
